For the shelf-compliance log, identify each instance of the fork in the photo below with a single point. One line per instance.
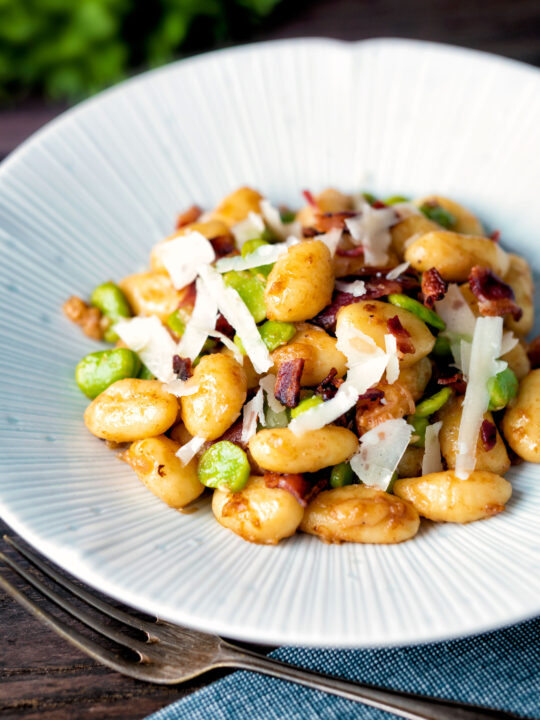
(171, 654)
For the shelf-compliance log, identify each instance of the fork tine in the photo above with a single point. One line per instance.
(87, 645)
(105, 607)
(143, 649)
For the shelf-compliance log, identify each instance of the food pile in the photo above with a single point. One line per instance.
(343, 370)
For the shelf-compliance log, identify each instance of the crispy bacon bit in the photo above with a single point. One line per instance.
(224, 326)
(88, 318)
(189, 295)
(371, 411)
(309, 232)
(223, 245)
(182, 367)
(534, 352)
(494, 296)
(296, 485)
(329, 386)
(327, 221)
(287, 389)
(350, 252)
(376, 287)
(488, 433)
(451, 377)
(189, 216)
(495, 236)
(404, 344)
(310, 199)
(433, 287)
(378, 204)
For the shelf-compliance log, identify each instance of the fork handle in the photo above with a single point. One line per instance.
(405, 705)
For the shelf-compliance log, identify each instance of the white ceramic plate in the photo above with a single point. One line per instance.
(87, 197)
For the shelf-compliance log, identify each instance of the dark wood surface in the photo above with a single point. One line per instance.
(42, 676)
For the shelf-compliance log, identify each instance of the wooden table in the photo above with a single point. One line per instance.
(40, 674)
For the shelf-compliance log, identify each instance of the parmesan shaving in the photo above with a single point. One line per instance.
(228, 344)
(431, 462)
(275, 223)
(253, 411)
(456, 313)
(236, 313)
(155, 347)
(370, 228)
(248, 229)
(203, 318)
(380, 451)
(365, 360)
(331, 239)
(268, 384)
(509, 342)
(486, 348)
(357, 288)
(325, 413)
(188, 451)
(263, 255)
(182, 256)
(397, 271)
(181, 388)
(392, 367)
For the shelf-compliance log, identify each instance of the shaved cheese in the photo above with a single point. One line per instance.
(253, 411)
(202, 320)
(405, 210)
(320, 415)
(331, 239)
(356, 288)
(268, 384)
(229, 344)
(392, 367)
(155, 347)
(456, 313)
(181, 388)
(275, 223)
(365, 360)
(431, 462)
(509, 342)
(236, 313)
(248, 229)
(397, 271)
(182, 256)
(263, 255)
(486, 348)
(371, 230)
(188, 451)
(380, 451)
(464, 361)
(410, 240)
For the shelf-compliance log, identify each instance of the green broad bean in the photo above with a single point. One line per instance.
(439, 215)
(145, 373)
(502, 388)
(416, 308)
(369, 197)
(276, 333)
(239, 344)
(396, 199)
(287, 216)
(251, 290)
(224, 465)
(442, 346)
(176, 323)
(431, 404)
(276, 419)
(112, 303)
(97, 370)
(252, 245)
(419, 424)
(341, 475)
(306, 404)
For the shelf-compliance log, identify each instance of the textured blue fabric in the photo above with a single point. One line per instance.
(499, 669)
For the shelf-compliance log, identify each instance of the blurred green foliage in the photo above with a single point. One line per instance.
(67, 49)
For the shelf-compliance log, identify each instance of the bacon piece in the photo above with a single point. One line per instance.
(403, 342)
(451, 377)
(189, 296)
(296, 485)
(327, 221)
(223, 245)
(224, 326)
(495, 236)
(494, 296)
(534, 352)
(433, 287)
(182, 367)
(329, 386)
(488, 433)
(371, 411)
(350, 252)
(309, 232)
(287, 389)
(378, 204)
(189, 216)
(310, 199)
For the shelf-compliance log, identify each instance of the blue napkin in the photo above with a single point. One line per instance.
(500, 669)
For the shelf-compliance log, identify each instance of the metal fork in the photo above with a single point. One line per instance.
(171, 654)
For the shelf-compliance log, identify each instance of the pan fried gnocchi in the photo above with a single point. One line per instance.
(342, 370)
